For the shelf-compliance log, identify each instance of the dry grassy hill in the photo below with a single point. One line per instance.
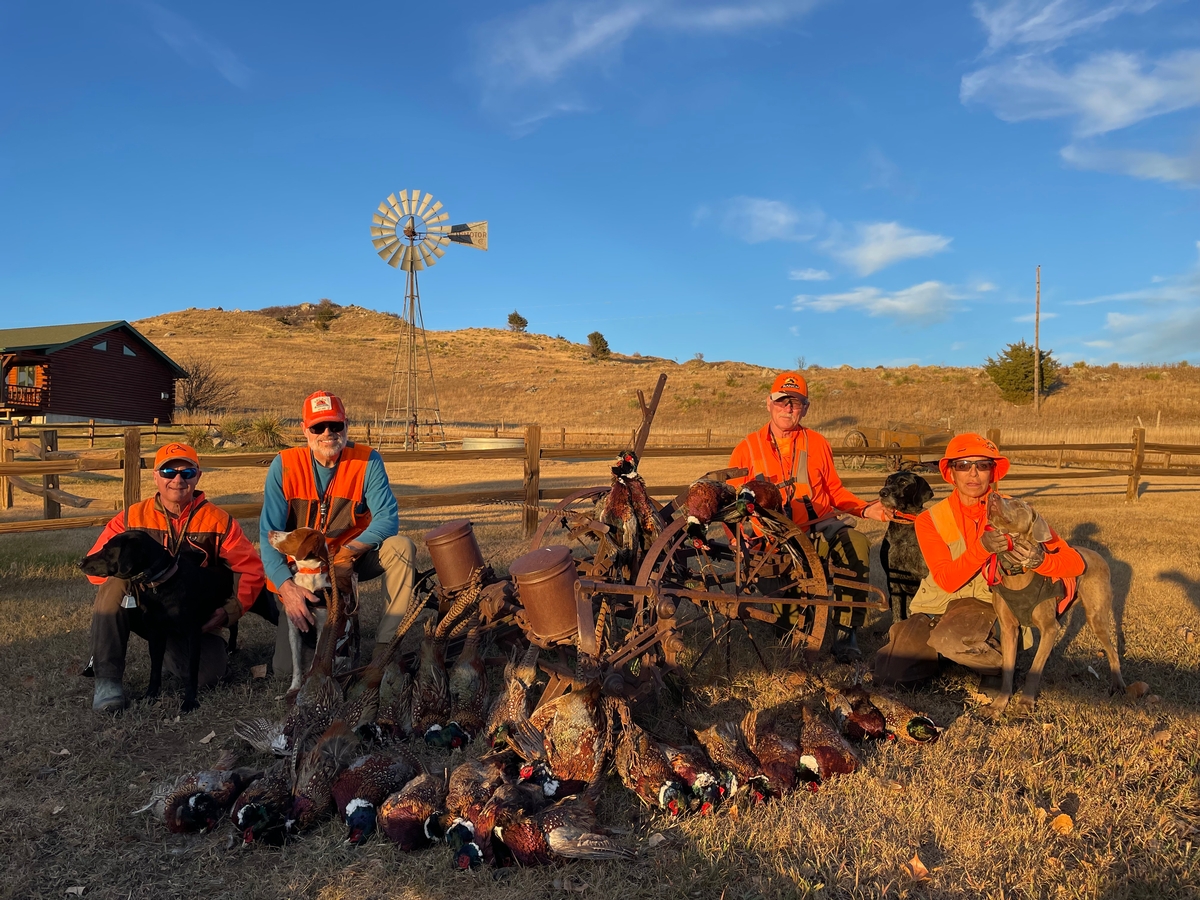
(490, 376)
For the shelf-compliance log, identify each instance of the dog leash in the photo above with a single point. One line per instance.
(146, 582)
(899, 516)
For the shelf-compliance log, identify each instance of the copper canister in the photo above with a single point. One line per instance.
(546, 588)
(455, 553)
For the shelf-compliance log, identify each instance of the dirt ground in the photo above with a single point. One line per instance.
(975, 808)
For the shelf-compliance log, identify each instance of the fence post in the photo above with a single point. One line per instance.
(1060, 456)
(91, 432)
(533, 472)
(707, 438)
(132, 466)
(993, 435)
(1135, 464)
(51, 509)
(6, 455)
(562, 438)
(154, 441)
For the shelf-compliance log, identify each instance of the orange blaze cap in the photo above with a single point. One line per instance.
(323, 407)
(971, 444)
(170, 452)
(789, 384)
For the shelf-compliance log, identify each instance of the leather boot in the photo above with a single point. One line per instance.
(109, 696)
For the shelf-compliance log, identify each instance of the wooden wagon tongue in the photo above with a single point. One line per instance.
(546, 588)
(455, 553)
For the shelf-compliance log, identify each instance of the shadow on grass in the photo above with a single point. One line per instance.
(1190, 586)
(1085, 535)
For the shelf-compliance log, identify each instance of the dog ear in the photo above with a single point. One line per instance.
(924, 491)
(1041, 530)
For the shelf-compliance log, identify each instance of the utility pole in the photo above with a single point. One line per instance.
(1037, 349)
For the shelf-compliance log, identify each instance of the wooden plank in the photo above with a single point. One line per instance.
(54, 524)
(533, 475)
(1177, 449)
(59, 496)
(51, 508)
(6, 457)
(132, 467)
(57, 466)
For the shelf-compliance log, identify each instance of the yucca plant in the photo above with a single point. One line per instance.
(197, 436)
(267, 432)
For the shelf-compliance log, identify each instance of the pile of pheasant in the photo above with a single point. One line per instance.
(531, 797)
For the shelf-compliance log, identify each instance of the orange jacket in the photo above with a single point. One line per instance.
(819, 481)
(951, 574)
(203, 530)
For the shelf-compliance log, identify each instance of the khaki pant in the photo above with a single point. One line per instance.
(395, 561)
(111, 625)
(962, 634)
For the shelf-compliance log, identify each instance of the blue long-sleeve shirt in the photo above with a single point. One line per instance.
(377, 493)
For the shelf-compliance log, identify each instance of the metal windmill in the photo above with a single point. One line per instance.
(409, 233)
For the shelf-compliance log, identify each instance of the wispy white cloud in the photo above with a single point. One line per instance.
(808, 275)
(877, 245)
(930, 301)
(1147, 165)
(1047, 22)
(757, 219)
(984, 287)
(522, 57)
(196, 47)
(1156, 338)
(1029, 317)
(1105, 92)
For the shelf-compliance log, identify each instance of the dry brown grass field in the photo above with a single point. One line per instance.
(976, 807)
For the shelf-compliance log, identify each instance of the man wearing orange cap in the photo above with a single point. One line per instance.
(342, 489)
(185, 522)
(800, 461)
(952, 612)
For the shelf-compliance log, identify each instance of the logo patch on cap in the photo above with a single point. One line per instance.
(321, 404)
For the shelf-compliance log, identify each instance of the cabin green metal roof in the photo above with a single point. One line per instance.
(49, 338)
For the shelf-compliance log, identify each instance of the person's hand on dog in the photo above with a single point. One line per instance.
(1029, 553)
(877, 511)
(295, 600)
(220, 618)
(994, 541)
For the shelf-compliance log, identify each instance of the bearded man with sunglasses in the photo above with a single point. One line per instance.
(800, 461)
(181, 518)
(342, 489)
(952, 612)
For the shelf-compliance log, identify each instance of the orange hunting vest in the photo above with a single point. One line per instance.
(204, 527)
(342, 513)
(767, 460)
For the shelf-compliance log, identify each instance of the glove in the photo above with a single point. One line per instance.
(994, 541)
(877, 511)
(1028, 553)
(343, 559)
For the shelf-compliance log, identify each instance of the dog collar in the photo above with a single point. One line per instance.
(146, 580)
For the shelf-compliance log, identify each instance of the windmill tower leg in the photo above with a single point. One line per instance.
(413, 417)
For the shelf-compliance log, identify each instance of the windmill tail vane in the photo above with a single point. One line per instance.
(410, 232)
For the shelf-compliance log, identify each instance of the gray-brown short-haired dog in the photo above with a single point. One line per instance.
(1023, 597)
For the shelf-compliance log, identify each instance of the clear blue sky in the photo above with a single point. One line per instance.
(861, 182)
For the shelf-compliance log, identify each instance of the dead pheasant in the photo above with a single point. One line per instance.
(430, 707)
(778, 755)
(566, 830)
(512, 704)
(363, 697)
(902, 722)
(761, 495)
(468, 686)
(262, 813)
(854, 713)
(726, 746)
(643, 767)
(830, 753)
(410, 817)
(366, 783)
(703, 504)
(570, 734)
(691, 763)
(312, 795)
(470, 789)
(199, 801)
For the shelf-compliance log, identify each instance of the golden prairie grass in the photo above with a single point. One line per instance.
(975, 808)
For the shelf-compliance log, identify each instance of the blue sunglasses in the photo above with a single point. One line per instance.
(188, 474)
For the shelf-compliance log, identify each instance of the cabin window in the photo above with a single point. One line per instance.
(26, 376)
(102, 346)
(127, 351)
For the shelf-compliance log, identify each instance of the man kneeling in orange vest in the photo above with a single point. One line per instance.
(952, 612)
(800, 461)
(185, 523)
(342, 489)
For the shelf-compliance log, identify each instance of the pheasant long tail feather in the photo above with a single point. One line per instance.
(263, 735)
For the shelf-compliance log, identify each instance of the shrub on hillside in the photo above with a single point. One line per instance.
(517, 322)
(1012, 372)
(598, 346)
(267, 432)
(325, 313)
(205, 386)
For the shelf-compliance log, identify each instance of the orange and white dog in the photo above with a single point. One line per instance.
(308, 557)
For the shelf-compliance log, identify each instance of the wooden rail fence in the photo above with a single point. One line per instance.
(130, 461)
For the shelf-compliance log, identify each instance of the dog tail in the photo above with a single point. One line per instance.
(263, 735)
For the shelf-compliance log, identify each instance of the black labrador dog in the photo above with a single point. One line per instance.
(175, 596)
(900, 554)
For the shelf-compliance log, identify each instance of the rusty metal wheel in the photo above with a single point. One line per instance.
(895, 462)
(574, 522)
(854, 440)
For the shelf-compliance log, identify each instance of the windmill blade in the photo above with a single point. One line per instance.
(402, 208)
(424, 203)
(433, 209)
(414, 197)
(428, 257)
(413, 262)
(393, 254)
(434, 247)
(396, 211)
(471, 234)
(385, 215)
(382, 222)
(387, 231)
(438, 218)
(382, 242)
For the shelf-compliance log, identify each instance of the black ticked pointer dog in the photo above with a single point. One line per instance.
(176, 597)
(906, 493)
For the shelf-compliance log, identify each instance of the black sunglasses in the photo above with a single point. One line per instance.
(188, 474)
(320, 427)
(966, 465)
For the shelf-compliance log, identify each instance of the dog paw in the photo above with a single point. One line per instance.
(1023, 705)
(995, 709)
(189, 705)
